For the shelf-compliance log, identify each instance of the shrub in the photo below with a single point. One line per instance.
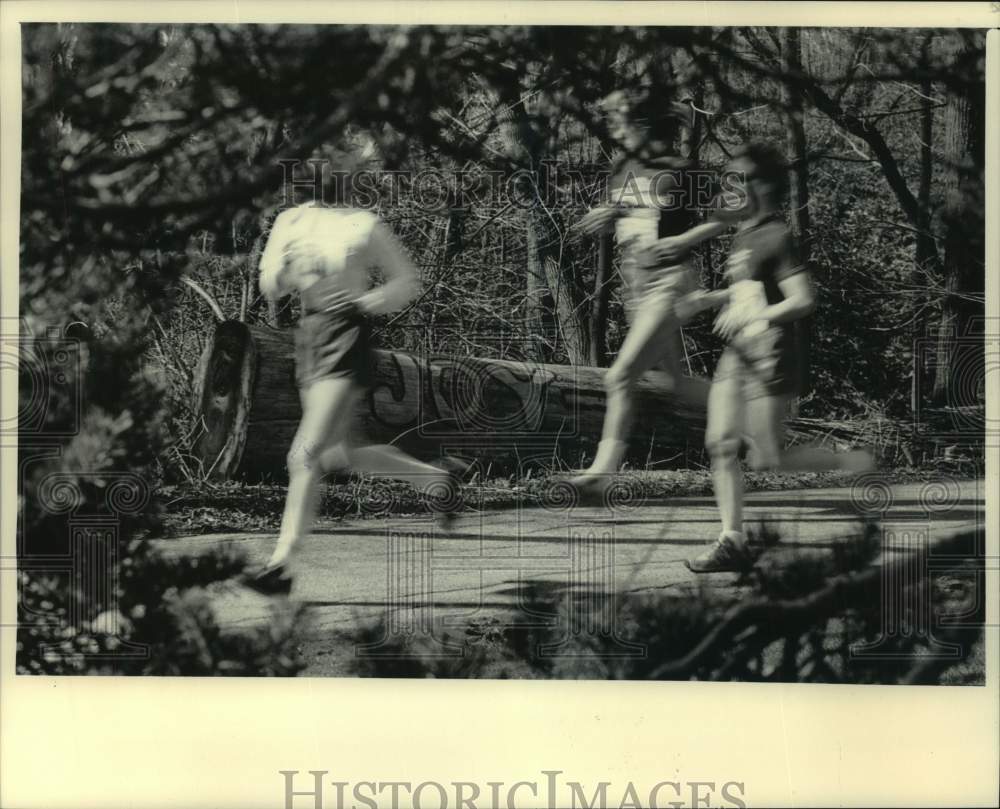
(800, 617)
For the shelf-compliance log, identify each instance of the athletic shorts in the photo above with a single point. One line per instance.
(766, 364)
(656, 286)
(330, 346)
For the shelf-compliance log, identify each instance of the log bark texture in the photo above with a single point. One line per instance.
(480, 408)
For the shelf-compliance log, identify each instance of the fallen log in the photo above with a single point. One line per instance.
(482, 408)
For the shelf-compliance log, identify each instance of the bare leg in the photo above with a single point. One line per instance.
(651, 340)
(326, 408)
(689, 390)
(384, 460)
(765, 417)
(723, 435)
(817, 459)
(761, 419)
(321, 446)
(693, 391)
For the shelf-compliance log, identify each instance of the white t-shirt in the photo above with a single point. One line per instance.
(309, 243)
(639, 226)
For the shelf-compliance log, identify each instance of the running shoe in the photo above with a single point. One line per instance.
(725, 556)
(270, 581)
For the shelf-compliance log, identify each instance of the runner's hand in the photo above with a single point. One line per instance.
(598, 220)
(669, 250)
(734, 319)
(694, 303)
(270, 284)
(341, 304)
(689, 306)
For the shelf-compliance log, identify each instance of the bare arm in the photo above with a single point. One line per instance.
(690, 305)
(402, 283)
(272, 260)
(702, 233)
(800, 300)
(599, 220)
(674, 248)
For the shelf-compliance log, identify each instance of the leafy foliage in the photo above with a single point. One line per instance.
(796, 632)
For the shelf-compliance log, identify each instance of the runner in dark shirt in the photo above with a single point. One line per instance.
(763, 255)
(760, 368)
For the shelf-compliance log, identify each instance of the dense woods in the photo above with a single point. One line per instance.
(161, 152)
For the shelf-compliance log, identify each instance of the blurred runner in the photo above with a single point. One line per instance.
(648, 200)
(759, 372)
(324, 254)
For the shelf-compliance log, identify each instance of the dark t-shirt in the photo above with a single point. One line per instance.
(760, 257)
(766, 253)
(658, 181)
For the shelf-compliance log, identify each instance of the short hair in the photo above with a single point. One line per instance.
(769, 164)
(644, 107)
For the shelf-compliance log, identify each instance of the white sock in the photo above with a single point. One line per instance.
(282, 552)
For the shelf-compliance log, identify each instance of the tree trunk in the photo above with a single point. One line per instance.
(455, 234)
(572, 334)
(925, 239)
(795, 141)
(795, 138)
(959, 359)
(691, 135)
(691, 98)
(552, 311)
(599, 307)
(538, 315)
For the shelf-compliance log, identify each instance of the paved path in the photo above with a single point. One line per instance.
(357, 569)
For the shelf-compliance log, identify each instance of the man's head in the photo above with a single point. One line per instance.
(765, 172)
(627, 120)
(641, 119)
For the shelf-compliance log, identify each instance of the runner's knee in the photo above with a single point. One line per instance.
(336, 458)
(620, 377)
(301, 458)
(723, 448)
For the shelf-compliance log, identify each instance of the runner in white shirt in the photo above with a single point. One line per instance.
(325, 255)
(647, 203)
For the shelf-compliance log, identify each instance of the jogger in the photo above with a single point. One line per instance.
(325, 254)
(648, 201)
(760, 370)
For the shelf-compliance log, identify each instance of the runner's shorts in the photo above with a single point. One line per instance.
(332, 341)
(766, 364)
(656, 287)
